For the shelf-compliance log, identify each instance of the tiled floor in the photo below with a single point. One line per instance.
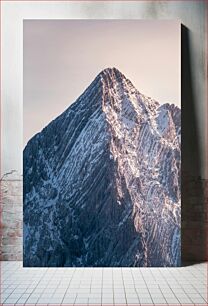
(103, 286)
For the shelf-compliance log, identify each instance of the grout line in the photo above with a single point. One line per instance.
(68, 287)
(122, 276)
(123, 284)
(147, 287)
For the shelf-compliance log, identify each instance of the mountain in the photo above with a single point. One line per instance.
(102, 181)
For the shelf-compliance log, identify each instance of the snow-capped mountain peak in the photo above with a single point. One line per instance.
(102, 181)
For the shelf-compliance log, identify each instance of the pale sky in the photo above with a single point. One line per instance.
(62, 57)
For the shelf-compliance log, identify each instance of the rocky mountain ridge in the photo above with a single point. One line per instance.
(102, 181)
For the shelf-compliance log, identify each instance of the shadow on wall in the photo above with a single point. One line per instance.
(194, 188)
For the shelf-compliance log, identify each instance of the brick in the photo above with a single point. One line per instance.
(194, 219)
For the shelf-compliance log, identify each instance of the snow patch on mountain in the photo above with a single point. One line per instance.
(102, 181)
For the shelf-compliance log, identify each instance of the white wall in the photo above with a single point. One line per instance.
(190, 13)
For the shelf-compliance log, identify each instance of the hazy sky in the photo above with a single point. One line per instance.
(62, 57)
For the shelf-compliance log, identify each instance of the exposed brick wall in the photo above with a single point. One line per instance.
(194, 219)
(11, 219)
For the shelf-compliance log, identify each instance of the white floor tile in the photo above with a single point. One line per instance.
(132, 300)
(119, 286)
(146, 301)
(32, 300)
(69, 300)
(81, 301)
(107, 300)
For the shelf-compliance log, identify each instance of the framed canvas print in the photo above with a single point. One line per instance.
(102, 143)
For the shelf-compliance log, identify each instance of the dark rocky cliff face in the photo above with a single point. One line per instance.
(102, 181)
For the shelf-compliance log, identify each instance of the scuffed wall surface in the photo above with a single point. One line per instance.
(194, 242)
(11, 217)
(194, 108)
(190, 13)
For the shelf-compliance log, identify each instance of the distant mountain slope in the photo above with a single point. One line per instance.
(102, 181)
